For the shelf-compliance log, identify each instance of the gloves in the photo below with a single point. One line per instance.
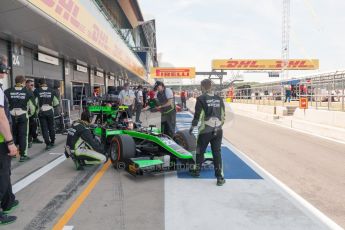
(191, 130)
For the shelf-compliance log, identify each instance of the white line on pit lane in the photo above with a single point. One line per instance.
(297, 199)
(68, 227)
(56, 153)
(37, 174)
(294, 197)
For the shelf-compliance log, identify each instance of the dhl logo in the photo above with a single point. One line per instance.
(274, 64)
(173, 72)
(73, 15)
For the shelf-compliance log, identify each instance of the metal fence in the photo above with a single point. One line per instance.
(325, 92)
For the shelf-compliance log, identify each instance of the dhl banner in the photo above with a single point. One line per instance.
(183, 72)
(75, 17)
(265, 64)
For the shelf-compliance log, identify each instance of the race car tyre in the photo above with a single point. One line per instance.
(186, 140)
(122, 148)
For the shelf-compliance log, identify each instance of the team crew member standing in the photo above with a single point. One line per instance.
(183, 99)
(210, 111)
(33, 136)
(21, 101)
(7, 150)
(127, 97)
(139, 102)
(166, 106)
(47, 100)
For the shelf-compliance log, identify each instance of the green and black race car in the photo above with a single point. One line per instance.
(141, 150)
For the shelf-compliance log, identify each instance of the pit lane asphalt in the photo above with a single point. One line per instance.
(46, 199)
(119, 201)
(311, 166)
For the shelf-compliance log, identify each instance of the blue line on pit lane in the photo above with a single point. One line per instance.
(233, 167)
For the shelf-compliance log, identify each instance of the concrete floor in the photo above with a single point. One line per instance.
(311, 166)
(308, 165)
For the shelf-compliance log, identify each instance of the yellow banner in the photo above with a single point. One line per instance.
(182, 72)
(265, 64)
(73, 15)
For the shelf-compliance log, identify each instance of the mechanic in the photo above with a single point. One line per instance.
(46, 100)
(139, 102)
(7, 151)
(166, 105)
(33, 135)
(83, 145)
(183, 97)
(127, 98)
(210, 111)
(21, 103)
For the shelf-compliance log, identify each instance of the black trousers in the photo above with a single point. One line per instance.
(6, 195)
(20, 129)
(168, 123)
(47, 123)
(183, 102)
(130, 111)
(215, 139)
(138, 109)
(32, 128)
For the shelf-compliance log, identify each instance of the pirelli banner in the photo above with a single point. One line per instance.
(265, 64)
(182, 72)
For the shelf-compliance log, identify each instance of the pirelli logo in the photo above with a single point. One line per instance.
(183, 72)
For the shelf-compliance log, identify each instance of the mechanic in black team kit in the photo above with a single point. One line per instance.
(33, 135)
(82, 146)
(210, 111)
(47, 100)
(165, 97)
(164, 101)
(7, 150)
(21, 102)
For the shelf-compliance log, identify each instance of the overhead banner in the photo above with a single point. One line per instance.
(183, 72)
(78, 17)
(264, 64)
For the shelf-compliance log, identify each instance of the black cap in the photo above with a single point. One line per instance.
(158, 83)
(42, 81)
(3, 68)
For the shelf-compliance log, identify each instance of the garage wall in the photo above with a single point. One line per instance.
(4, 52)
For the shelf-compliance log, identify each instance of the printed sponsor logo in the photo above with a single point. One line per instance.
(73, 15)
(173, 72)
(266, 64)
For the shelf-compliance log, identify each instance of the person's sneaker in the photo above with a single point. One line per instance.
(52, 144)
(12, 208)
(29, 145)
(78, 166)
(195, 173)
(5, 219)
(37, 141)
(220, 181)
(48, 147)
(23, 158)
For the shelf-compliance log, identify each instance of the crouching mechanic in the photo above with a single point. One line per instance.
(82, 147)
(210, 111)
